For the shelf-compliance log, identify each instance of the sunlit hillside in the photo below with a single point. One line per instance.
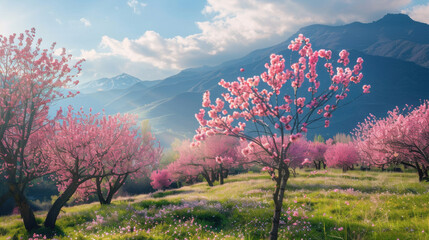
(318, 205)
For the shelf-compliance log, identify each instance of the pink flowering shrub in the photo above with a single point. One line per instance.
(160, 179)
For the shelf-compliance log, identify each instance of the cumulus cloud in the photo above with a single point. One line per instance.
(419, 13)
(85, 22)
(238, 26)
(136, 5)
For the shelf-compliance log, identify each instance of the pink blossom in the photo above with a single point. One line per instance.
(366, 88)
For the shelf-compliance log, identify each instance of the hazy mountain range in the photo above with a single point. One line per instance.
(395, 50)
(122, 81)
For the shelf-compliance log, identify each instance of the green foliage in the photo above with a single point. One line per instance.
(319, 138)
(170, 155)
(161, 194)
(342, 138)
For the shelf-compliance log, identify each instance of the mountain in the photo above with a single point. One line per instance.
(122, 81)
(395, 50)
(395, 35)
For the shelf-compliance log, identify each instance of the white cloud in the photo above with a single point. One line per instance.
(109, 66)
(58, 21)
(238, 26)
(419, 13)
(91, 55)
(85, 22)
(136, 5)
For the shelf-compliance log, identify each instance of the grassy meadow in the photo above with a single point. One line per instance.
(318, 205)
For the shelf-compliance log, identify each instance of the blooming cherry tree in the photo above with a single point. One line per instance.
(30, 79)
(212, 159)
(132, 155)
(343, 155)
(88, 147)
(260, 107)
(400, 138)
(316, 151)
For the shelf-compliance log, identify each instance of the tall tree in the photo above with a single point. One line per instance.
(260, 108)
(30, 79)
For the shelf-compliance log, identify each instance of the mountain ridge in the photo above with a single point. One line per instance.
(121, 81)
(396, 63)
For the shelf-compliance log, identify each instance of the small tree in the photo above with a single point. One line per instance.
(342, 155)
(89, 147)
(295, 158)
(30, 79)
(256, 113)
(211, 159)
(316, 151)
(132, 156)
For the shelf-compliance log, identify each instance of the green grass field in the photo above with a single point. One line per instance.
(332, 205)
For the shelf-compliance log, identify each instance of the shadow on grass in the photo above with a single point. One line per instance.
(156, 203)
(210, 217)
(168, 193)
(19, 232)
(338, 176)
(231, 180)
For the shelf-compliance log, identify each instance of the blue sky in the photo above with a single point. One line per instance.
(153, 39)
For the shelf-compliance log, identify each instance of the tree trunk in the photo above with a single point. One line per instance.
(278, 203)
(25, 210)
(419, 171)
(220, 174)
(317, 164)
(225, 173)
(99, 191)
(207, 177)
(54, 211)
(214, 176)
(118, 184)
